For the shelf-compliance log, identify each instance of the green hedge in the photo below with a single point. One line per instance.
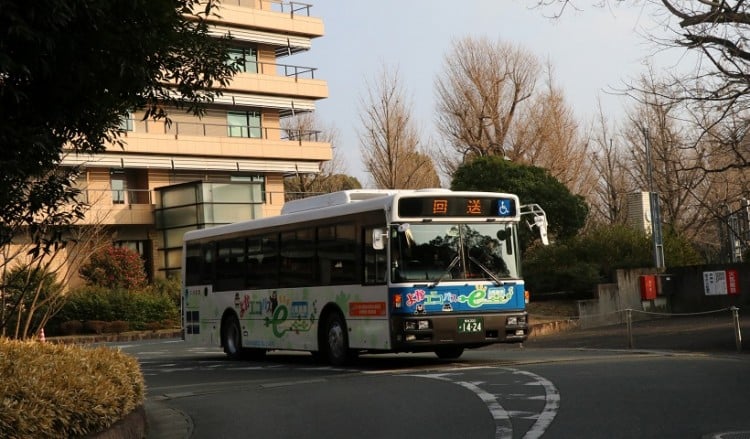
(141, 309)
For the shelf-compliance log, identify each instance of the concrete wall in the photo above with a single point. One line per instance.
(689, 295)
(681, 290)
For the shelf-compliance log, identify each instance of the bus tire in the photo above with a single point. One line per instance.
(254, 354)
(231, 337)
(449, 352)
(336, 340)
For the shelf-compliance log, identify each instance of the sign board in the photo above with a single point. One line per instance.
(721, 283)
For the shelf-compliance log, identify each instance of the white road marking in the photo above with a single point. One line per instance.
(552, 404)
(503, 426)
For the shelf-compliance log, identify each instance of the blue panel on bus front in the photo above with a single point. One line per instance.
(458, 298)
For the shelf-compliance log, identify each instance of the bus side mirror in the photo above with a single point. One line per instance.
(541, 222)
(378, 239)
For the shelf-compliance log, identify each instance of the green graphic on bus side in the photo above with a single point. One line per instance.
(481, 296)
(280, 317)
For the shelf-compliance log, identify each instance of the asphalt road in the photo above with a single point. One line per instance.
(683, 378)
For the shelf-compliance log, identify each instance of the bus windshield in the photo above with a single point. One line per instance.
(438, 252)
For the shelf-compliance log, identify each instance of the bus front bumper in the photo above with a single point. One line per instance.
(425, 331)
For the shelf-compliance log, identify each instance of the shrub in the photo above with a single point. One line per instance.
(134, 307)
(71, 327)
(19, 287)
(50, 390)
(117, 327)
(579, 264)
(114, 267)
(94, 326)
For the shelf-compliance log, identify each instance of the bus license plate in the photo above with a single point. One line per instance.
(470, 325)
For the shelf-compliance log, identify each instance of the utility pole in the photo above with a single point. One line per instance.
(653, 197)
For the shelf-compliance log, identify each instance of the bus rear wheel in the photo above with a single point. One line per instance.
(336, 340)
(449, 352)
(231, 338)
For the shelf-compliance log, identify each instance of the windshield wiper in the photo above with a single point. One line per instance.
(446, 272)
(489, 272)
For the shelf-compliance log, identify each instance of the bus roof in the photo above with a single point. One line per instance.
(331, 205)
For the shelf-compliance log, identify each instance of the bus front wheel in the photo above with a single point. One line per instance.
(232, 338)
(449, 352)
(336, 346)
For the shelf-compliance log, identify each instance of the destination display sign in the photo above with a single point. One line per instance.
(456, 206)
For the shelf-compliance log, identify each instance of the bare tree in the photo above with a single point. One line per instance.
(479, 94)
(546, 134)
(716, 32)
(389, 140)
(489, 104)
(689, 197)
(332, 176)
(39, 263)
(608, 201)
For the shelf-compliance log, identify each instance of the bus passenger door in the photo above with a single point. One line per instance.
(375, 265)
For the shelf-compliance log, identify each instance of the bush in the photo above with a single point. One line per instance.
(114, 267)
(117, 327)
(51, 391)
(579, 264)
(137, 308)
(94, 326)
(71, 327)
(20, 286)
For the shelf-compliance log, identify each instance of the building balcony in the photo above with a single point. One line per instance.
(281, 80)
(221, 140)
(276, 16)
(138, 206)
(119, 207)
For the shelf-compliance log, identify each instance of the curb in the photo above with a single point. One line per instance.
(132, 426)
(552, 327)
(108, 338)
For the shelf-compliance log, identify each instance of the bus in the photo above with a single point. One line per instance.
(362, 271)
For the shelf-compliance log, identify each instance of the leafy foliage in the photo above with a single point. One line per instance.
(138, 308)
(566, 212)
(578, 264)
(70, 71)
(114, 267)
(51, 391)
(27, 293)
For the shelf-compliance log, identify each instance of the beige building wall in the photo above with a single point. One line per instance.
(121, 184)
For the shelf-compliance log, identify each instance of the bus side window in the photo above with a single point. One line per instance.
(375, 266)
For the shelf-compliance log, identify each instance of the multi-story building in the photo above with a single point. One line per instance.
(226, 166)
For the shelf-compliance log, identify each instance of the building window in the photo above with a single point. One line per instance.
(126, 123)
(244, 124)
(256, 179)
(246, 59)
(118, 183)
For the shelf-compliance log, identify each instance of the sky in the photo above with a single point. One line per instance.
(591, 51)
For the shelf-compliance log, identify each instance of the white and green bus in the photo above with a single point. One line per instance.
(362, 271)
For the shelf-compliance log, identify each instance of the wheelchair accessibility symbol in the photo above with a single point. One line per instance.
(503, 208)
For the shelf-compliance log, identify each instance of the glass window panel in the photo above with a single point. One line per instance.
(173, 258)
(178, 196)
(229, 213)
(173, 237)
(176, 217)
(237, 124)
(232, 193)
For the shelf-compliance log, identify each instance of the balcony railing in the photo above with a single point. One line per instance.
(117, 196)
(275, 5)
(287, 70)
(130, 197)
(219, 130)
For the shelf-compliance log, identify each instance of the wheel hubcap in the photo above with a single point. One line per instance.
(336, 340)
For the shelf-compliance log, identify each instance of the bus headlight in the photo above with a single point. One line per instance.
(515, 320)
(416, 325)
